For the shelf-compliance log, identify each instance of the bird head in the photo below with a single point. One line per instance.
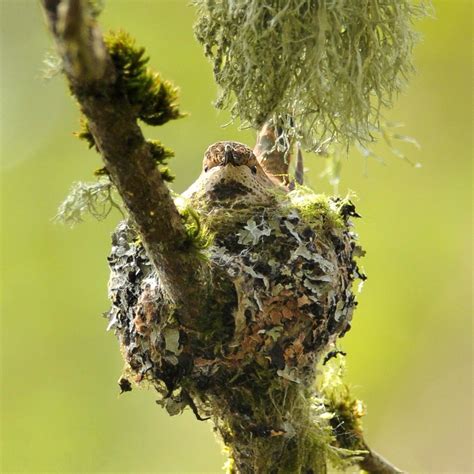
(230, 173)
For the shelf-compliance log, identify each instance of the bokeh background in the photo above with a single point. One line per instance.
(410, 346)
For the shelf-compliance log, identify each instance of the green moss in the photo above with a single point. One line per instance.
(161, 155)
(159, 152)
(85, 133)
(101, 172)
(154, 98)
(347, 411)
(318, 210)
(166, 174)
(198, 235)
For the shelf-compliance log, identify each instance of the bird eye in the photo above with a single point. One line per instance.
(253, 169)
(206, 169)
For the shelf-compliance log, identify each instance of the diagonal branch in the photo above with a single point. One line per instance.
(127, 155)
(376, 464)
(348, 433)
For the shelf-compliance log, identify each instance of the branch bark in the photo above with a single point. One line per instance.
(91, 76)
(275, 154)
(349, 435)
(274, 157)
(377, 464)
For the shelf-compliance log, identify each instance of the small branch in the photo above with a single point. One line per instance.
(273, 156)
(348, 433)
(126, 153)
(376, 464)
(299, 168)
(347, 429)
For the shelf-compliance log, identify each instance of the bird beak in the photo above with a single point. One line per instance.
(228, 156)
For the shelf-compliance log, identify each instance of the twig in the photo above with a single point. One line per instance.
(273, 156)
(125, 152)
(374, 463)
(299, 169)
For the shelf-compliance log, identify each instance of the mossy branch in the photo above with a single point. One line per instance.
(264, 351)
(347, 413)
(115, 89)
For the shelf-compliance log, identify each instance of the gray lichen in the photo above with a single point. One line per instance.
(322, 70)
(96, 199)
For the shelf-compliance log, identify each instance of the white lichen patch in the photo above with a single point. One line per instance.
(252, 232)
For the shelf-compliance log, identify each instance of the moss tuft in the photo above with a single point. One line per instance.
(159, 152)
(160, 155)
(166, 174)
(198, 235)
(101, 172)
(347, 411)
(317, 209)
(85, 133)
(154, 98)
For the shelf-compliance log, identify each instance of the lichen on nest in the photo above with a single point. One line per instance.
(252, 369)
(323, 70)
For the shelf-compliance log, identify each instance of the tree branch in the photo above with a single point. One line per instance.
(374, 463)
(274, 153)
(349, 435)
(273, 156)
(79, 43)
(112, 120)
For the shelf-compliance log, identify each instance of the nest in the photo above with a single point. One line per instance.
(289, 270)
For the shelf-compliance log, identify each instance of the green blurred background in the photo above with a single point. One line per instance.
(410, 346)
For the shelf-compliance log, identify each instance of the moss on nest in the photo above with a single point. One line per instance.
(318, 209)
(199, 237)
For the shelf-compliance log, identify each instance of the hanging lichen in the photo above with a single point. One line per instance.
(324, 70)
(96, 199)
